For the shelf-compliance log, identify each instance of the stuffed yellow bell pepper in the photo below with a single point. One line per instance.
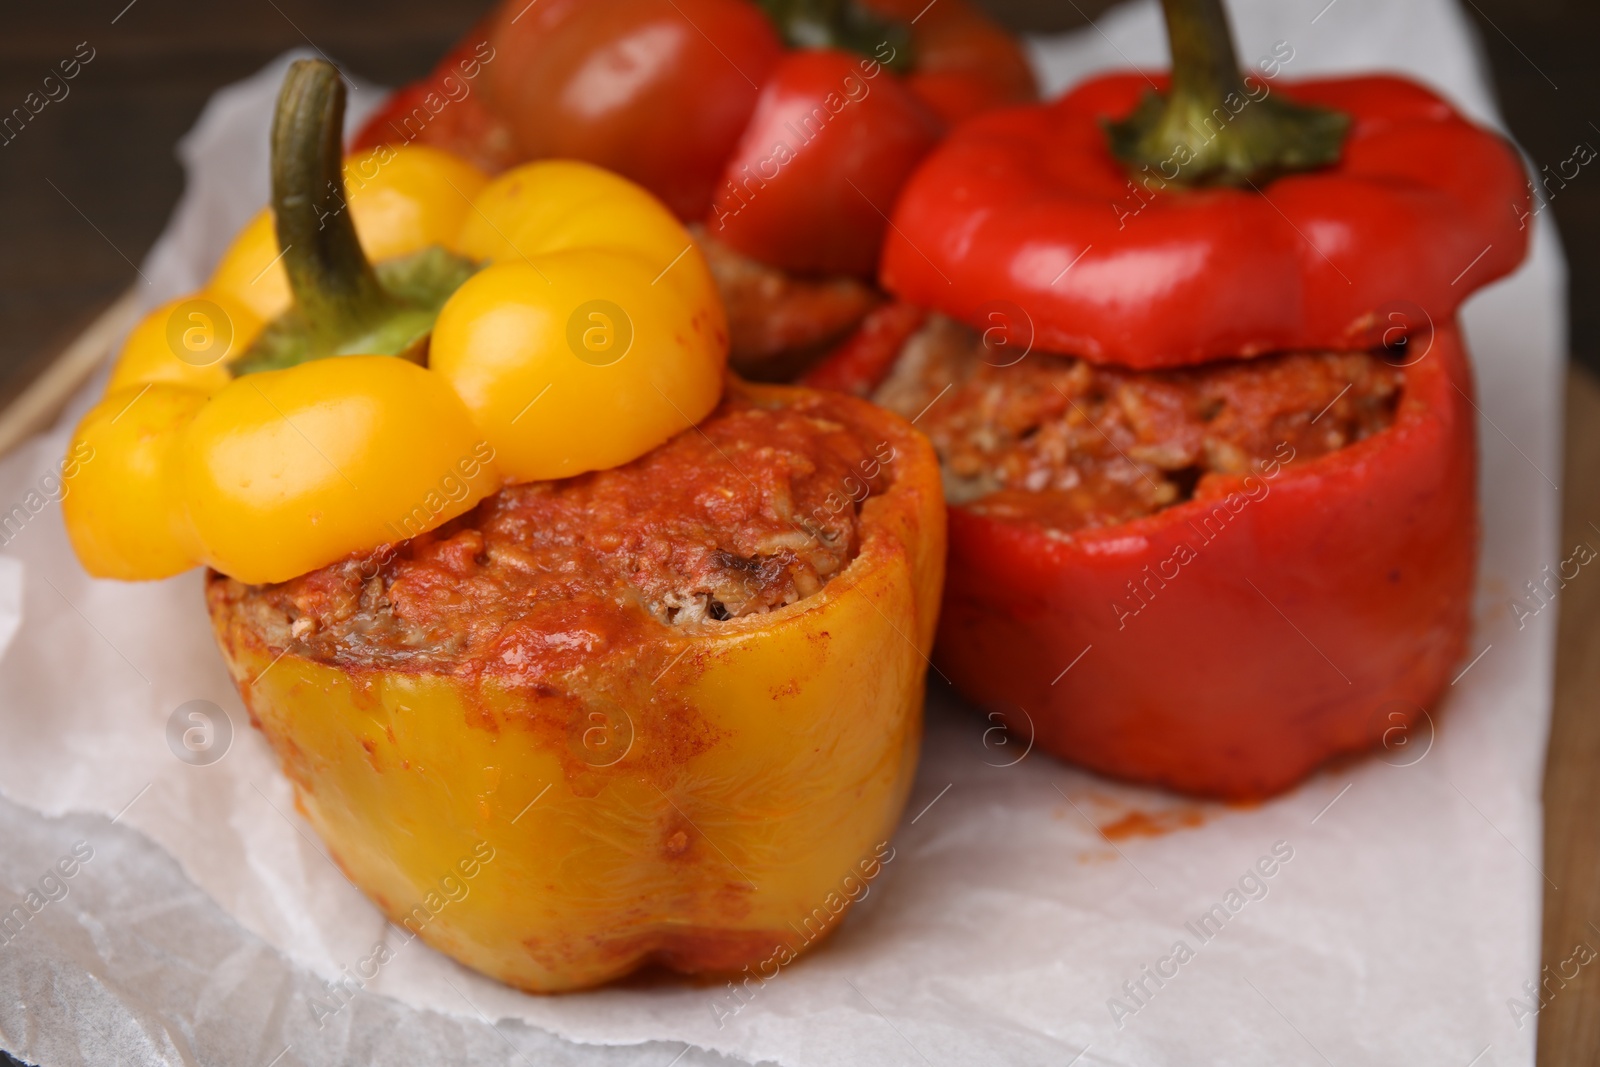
(554, 321)
(666, 712)
(558, 759)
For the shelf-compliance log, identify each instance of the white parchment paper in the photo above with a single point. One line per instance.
(1400, 929)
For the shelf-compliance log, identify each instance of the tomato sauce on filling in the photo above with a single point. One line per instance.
(1072, 445)
(755, 508)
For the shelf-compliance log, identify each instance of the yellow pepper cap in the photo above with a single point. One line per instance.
(592, 334)
(287, 471)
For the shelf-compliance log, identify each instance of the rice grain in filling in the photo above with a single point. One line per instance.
(745, 513)
(1072, 445)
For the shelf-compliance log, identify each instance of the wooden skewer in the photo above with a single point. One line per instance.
(38, 405)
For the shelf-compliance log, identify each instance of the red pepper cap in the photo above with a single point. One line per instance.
(1024, 217)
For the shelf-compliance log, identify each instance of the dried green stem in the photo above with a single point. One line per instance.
(1215, 126)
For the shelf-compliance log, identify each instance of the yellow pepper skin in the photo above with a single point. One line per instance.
(560, 205)
(286, 471)
(125, 514)
(506, 340)
(484, 820)
(247, 272)
(585, 264)
(402, 199)
(590, 292)
(186, 342)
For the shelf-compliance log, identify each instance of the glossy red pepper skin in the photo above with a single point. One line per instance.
(809, 187)
(858, 364)
(1325, 607)
(1027, 205)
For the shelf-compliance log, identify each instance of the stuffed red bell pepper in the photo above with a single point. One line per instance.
(1212, 458)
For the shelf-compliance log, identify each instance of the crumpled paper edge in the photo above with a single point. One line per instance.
(121, 964)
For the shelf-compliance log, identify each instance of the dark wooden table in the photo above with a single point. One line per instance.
(1569, 1028)
(87, 184)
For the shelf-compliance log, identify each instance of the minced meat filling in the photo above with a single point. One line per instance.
(1075, 445)
(745, 513)
(779, 322)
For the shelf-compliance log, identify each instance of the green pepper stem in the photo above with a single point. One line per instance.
(1213, 127)
(343, 304)
(1204, 66)
(334, 285)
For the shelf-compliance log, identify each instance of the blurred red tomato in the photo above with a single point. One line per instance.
(656, 90)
